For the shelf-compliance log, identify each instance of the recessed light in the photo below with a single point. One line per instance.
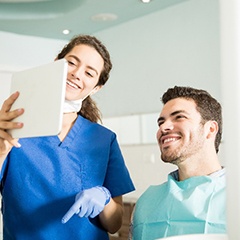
(146, 1)
(66, 31)
(104, 17)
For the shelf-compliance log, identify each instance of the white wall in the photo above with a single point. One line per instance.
(5, 79)
(178, 45)
(20, 52)
(230, 72)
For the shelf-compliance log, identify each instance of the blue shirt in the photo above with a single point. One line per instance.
(41, 179)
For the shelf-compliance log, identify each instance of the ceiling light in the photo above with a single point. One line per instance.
(66, 31)
(104, 17)
(146, 1)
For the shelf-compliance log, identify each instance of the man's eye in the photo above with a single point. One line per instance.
(180, 116)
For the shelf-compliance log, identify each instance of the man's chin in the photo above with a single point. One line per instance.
(169, 159)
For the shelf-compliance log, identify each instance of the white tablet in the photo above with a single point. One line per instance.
(42, 93)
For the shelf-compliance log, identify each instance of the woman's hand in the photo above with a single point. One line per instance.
(6, 117)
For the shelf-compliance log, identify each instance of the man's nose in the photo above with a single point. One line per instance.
(166, 126)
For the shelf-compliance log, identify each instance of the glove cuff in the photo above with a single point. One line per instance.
(106, 192)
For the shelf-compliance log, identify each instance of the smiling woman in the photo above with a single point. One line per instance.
(79, 175)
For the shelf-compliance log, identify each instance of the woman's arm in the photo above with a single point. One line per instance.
(111, 216)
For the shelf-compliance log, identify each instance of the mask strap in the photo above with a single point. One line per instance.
(74, 106)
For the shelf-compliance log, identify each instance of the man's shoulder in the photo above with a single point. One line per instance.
(153, 191)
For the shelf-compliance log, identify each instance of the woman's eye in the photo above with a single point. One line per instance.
(71, 63)
(89, 74)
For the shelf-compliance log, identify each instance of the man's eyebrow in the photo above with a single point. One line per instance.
(78, 60)
(172, 114)
(177, 112)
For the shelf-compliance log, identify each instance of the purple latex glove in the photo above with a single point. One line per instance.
(89, 203)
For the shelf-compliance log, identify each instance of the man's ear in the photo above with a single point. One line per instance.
(212, 128)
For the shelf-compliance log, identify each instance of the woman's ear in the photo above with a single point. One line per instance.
(96, 89)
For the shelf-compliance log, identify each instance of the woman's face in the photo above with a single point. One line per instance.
(85, 65)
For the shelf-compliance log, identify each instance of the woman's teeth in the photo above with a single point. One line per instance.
(72, 85)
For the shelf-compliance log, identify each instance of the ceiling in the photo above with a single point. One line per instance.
(48, 18)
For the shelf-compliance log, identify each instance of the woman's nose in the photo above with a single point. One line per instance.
(76, 73)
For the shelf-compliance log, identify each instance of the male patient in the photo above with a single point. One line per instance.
(193, 198)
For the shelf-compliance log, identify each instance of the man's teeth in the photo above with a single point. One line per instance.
(169, 140)
(72, 84)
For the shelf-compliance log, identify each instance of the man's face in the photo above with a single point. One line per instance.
(181, 133)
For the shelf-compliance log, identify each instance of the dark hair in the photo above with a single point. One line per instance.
(89, 108)
(208, 107)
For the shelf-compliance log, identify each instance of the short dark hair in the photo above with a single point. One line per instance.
(208, 107)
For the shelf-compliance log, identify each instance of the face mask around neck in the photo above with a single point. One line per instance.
(72, 106)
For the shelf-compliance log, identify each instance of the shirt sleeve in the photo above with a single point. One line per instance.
(118, 179)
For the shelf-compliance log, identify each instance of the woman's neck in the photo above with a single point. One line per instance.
(67, 123)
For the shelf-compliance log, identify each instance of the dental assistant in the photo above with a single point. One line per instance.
(68, 186)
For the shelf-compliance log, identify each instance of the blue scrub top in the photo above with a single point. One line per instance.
(41, 179)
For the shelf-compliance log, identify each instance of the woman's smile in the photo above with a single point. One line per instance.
(72, 84)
